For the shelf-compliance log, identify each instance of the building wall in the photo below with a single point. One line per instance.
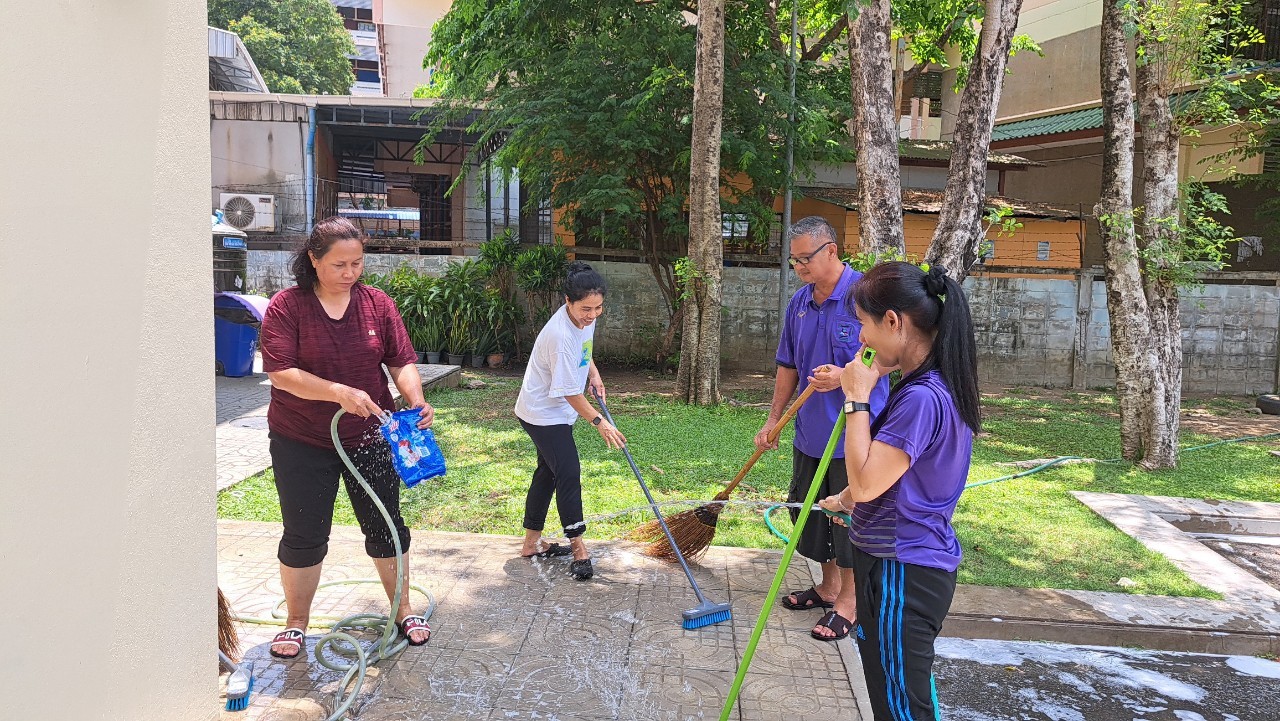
(1041, 331)
(406, 32)
(107, 513)
(257, 152)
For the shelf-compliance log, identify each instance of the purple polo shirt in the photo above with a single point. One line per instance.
(911, 522)
(815, 334)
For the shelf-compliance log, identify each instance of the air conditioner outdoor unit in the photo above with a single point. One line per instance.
(249, 211)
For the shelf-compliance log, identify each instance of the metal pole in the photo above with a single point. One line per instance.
(784, 243)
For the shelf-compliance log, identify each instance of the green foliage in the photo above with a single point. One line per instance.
(539, 272)
(593, 101)
(929, 26)
(1192, 242)
(498, 254)
(299, 46)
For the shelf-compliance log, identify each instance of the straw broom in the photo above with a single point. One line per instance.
(228, 637)
(694, 529)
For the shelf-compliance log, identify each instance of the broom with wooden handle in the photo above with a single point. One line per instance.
(694, 529)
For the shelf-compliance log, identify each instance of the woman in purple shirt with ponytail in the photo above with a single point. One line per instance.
(906, 472)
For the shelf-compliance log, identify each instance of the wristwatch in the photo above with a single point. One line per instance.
(855, 406)
(596, 421)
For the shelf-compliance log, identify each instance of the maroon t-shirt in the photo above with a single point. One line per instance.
(298, 333)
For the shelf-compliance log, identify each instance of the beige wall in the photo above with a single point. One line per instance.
(1067, 75)
(107, 516)
(256, 152)
(406, 31)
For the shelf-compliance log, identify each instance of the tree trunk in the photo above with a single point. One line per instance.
(1160, 231)
(959, 231)
(698, 379)
(875, 132)
(1126, 302)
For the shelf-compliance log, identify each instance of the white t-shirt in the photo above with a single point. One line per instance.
(558, 367)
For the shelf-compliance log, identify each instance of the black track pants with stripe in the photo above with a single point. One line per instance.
(900, 611)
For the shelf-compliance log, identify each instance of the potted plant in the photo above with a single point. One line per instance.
(428, 335)
(486, 347)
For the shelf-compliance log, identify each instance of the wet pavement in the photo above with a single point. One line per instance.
(1025, 681)
(516, 638)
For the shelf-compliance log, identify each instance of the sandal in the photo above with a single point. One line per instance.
(837, 623)
(294, 636)
(415, 623)
(805, 600)
(554, 550)
(582, 570)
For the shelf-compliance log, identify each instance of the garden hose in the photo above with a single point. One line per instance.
(768, 514)
(342, 643)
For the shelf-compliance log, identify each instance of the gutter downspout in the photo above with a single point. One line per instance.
(309, 162)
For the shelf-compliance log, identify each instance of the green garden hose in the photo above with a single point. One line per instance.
(768, 514)
(344, 644)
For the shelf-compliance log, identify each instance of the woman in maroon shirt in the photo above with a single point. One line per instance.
(324, 344)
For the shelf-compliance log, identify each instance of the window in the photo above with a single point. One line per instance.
(1042, 250)
(734, 228)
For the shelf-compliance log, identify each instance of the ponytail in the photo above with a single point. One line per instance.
(937, 303)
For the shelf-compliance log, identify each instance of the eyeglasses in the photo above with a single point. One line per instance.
(804, 260)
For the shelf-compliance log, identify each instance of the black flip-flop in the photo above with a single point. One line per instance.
(805, 600)
(554, 550)
(837, 623)
(582, 570)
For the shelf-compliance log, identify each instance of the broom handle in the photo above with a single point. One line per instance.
(773, 436)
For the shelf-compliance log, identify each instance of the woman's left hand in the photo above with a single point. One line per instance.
(858, 380)
(832, 503)
(427, 415)
(595, 387)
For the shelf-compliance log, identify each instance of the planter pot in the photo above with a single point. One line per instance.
(433, 358)
(496, 359)
(477, 360)
(455, 359)
(422, 357)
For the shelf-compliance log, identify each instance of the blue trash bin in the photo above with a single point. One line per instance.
(235, 336)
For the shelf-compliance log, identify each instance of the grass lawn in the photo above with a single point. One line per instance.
(1027, 532)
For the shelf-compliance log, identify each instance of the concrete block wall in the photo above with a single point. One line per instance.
(1025, 329)
(1050, 332)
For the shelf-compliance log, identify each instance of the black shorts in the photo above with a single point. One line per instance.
(307, 483)
(822, 539)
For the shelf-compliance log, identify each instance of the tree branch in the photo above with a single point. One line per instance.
(830, 36)
(771, 18)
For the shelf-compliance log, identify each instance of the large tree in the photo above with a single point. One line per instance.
(959, 231)
(591, 100)
(299, 46)
(698, 379)
(1184, 53)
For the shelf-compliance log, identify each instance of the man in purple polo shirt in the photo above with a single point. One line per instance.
(819, 336)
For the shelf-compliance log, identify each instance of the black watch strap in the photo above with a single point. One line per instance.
(856, 406)
(596, 421)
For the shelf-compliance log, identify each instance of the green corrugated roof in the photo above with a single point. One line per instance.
(1067, 122)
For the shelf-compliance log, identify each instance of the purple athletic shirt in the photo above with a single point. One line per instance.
(813, 335)
(911, 522)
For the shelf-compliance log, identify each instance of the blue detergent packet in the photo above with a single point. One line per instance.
(414, 451)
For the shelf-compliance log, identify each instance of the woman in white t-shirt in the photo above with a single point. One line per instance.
(552, 398)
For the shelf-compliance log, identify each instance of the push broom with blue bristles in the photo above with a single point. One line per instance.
(708, 612)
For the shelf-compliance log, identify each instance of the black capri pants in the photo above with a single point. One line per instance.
(307, 483)
(559, 472)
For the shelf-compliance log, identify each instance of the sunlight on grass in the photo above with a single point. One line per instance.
(1027, 532)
